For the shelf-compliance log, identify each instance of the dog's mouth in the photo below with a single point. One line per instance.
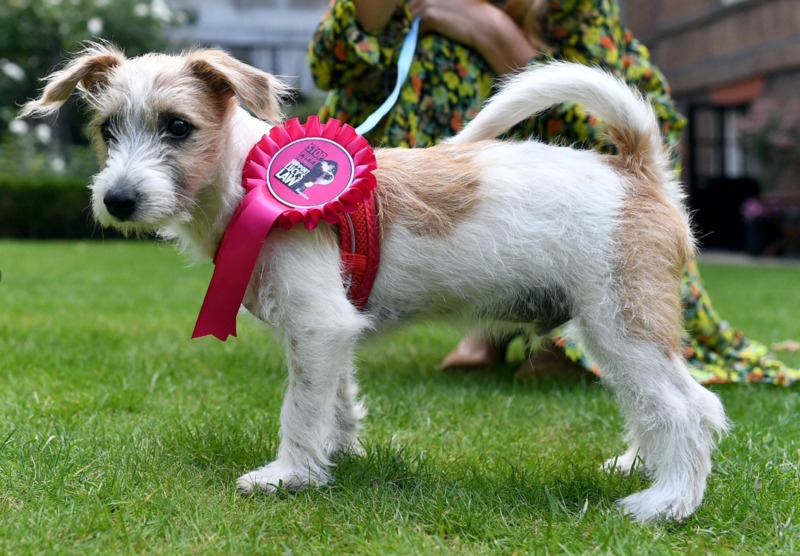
(139, 203)
(134, 227)
(139, 191)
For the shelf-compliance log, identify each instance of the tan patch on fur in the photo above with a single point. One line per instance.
(654, 247)
(328, 234)
(259, 92)
(207, 113)
(89, 69)
(639, 155)
(429, 191)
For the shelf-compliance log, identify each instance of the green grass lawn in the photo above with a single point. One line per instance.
(119, 434)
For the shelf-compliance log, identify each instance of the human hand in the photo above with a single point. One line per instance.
(480, 25)
(459, 20)
(373, 15)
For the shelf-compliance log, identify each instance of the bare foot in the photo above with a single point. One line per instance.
(473, 352)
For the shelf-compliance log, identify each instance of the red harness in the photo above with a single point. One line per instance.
(360, 246)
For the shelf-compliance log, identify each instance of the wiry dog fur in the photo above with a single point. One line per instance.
(508, 233)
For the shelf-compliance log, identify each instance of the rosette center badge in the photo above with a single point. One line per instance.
(310, 172)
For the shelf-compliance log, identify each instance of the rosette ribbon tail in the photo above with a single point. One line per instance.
(234, 263)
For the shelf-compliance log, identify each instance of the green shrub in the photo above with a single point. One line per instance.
(39, 207)
(26, 154)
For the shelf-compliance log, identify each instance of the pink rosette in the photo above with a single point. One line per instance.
(296, 173)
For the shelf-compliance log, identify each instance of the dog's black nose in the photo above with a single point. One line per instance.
(121, 202)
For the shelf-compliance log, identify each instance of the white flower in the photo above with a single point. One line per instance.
(18, 127)
(58, 164)
(43, 133)
(12, 70)
(95, 26)
(141, 10)
(160, 10)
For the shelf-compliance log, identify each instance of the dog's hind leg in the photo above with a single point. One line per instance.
(672, 420)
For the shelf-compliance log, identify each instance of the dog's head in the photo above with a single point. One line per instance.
(159, 125)
(323, 173)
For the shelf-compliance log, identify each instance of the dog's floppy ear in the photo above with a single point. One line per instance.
(259, 92)
(87, 72)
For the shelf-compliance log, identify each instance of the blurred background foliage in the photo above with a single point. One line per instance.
(51, 161)
(37, 37)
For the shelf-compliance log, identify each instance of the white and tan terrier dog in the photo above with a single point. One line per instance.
(517, 234)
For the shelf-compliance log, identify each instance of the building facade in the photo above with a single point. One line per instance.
(721, 57)
(269, 34)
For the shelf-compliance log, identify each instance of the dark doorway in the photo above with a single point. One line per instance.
(720, 176)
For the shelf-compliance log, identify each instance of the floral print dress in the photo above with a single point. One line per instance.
(448, 83)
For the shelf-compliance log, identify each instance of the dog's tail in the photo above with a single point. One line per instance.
(630, 120)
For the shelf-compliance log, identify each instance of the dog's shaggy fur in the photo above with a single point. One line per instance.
(508, 233)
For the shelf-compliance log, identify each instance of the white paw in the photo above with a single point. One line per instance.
(657, 503)
(276, 475)
(624, 464)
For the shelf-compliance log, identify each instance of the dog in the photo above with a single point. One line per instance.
(511, 234)
(323, 173)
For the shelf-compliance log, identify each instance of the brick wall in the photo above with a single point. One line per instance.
(702, 44)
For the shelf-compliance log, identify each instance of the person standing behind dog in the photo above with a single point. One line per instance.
(464, 46)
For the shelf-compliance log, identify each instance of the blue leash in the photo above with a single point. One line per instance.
(403, 67)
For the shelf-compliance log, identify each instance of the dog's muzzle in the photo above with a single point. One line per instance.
(121, 202)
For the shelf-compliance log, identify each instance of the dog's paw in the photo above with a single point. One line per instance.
(656, 504)
(624, 464)
(276, 476)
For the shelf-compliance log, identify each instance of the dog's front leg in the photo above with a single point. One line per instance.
(320, 413)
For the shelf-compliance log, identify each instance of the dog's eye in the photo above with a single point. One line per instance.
(178, 128)
(105, 131)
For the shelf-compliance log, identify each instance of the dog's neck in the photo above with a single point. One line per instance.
(217, 200)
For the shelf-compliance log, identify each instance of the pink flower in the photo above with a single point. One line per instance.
(780, 140)
(752, 209)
